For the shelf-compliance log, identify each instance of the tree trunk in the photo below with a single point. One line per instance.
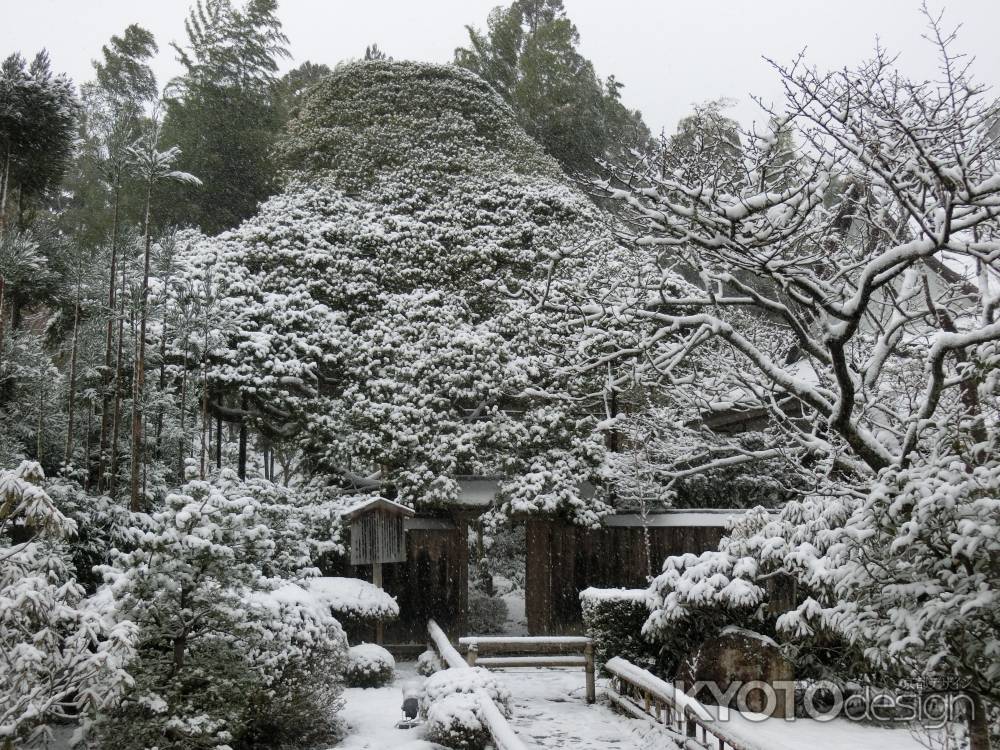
(71, 408)
(182, 440)
(119, 377)
(4, 192)
(205, 430)
(4, 186)
(109, 338)
(145, 454)
(90, 421)
(41, 413)
(3, 289)
(163, 387)
(242, 466)
(22, 222)
(140, 366)
(979, 725)
(180, 640)
(218, 440)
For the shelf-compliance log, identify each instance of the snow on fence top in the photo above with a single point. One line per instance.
(638, 596)
(706, 517)
(512, 641)
(353, 598)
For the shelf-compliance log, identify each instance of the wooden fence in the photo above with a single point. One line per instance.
(645, 696)
(563, 559)
(559, 651)
(503, 736)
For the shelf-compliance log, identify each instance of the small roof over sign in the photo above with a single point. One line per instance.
(373, 504)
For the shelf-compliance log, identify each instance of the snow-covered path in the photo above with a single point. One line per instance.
(550, 711)
(371, 715)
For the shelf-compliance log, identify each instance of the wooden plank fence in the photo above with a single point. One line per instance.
(546, 651)
(503, 736)
(646, 696)
(563, 559)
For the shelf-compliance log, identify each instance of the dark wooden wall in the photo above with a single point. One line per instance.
(433, 582)
(562, 560)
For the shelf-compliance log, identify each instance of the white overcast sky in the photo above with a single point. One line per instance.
(669, 53)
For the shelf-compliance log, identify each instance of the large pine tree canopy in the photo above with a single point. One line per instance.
(371, 117)
(381, 305)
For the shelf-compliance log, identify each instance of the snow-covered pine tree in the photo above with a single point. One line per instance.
(60, 653)
(383, 308)
(229, 651)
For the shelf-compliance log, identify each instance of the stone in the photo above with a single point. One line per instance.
(742, 670)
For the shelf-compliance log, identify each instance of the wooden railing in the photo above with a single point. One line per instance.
(555, 651)
(646, 696)
(503, 736)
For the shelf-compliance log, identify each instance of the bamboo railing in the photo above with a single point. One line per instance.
(646, 696)
(503, 736)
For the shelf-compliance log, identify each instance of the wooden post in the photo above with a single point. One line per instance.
(472, 654)
(377, 580)
(461, 549)
(588, 653)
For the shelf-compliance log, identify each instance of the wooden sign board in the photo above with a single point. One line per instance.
(377, 537)
(377, 534)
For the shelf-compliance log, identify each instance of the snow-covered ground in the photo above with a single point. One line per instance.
(517, 620)
(839, 734)
(370, 715)
(550, 712)
(513, 596)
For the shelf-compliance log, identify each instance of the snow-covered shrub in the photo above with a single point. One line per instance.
(463, 680)
(456, 721)
(102, 525)
(63, 656)
(428, 663)
(486, 614)
(354, 600)
(695, 596)
(304, 523)
(369, 665)
(903, 583)
(227, 656)
(613, 618)
(913, 577)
